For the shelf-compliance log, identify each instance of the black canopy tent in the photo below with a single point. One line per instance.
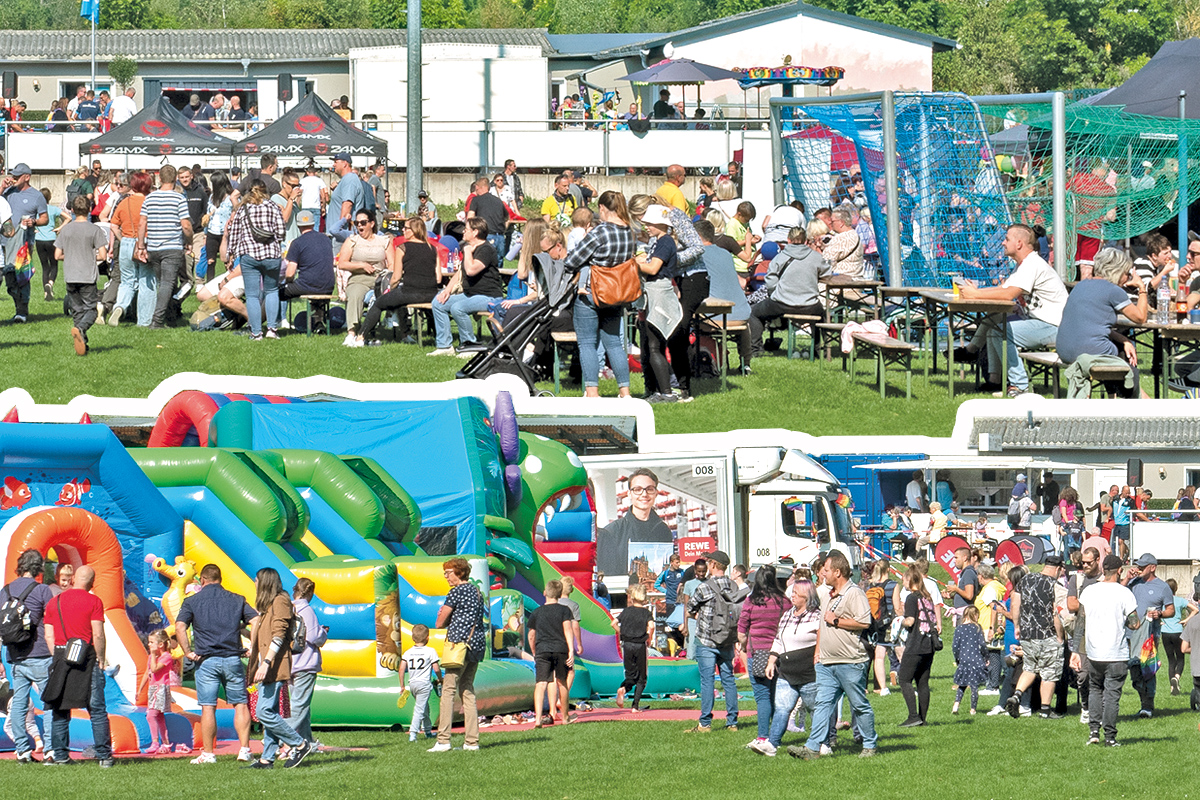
(311, 129)
(158, 130)
(1154, 89)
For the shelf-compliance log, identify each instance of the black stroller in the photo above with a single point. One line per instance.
(507, 353)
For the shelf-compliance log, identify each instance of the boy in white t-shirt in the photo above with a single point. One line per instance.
(421, 663)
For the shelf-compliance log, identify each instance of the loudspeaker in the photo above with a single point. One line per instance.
(1134, 472)
(9, 89)
(287, 88)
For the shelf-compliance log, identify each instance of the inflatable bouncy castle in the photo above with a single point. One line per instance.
(365, 498)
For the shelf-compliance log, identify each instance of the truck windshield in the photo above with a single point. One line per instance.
(805, 518)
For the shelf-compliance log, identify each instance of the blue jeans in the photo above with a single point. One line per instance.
(27, 673)
(496, 240)
(275, 728)
(129, 278)
(461, 308)
(1023, 334)
(97, 711)
(764, 693)
(710, 658)
(785, 701)
(217, 671)
(262, 279)
(604, 327)
(833, 681)
(147, 290)
(300, 694)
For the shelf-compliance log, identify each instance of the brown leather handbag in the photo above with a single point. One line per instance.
(617, 285)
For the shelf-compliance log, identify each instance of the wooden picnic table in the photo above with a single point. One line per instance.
(846, 283)
(1166, 343)
(944, 304)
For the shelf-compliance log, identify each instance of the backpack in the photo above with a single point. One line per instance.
(298, 633)
(880, 600)
(723, 627)
(1014, 512)
(76, 189)
(16, 624)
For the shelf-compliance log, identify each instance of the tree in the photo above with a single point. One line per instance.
(122, 69)
(317, 14)
(126, 15)
(434, 13)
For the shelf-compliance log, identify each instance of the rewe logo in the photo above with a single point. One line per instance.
(155, 128)
(309, 123)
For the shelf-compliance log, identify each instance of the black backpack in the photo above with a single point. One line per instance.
(298, 632)
(16, 623)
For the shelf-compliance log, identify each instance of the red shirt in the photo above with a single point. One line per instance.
(79, 609)
(1085, 186)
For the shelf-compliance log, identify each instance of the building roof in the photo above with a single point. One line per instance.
(1088, 433)
(226, 44)
(584, 44)
(763, 16)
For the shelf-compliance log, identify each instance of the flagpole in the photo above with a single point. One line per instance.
(94, 15)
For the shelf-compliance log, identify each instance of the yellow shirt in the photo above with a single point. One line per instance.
(735, 228)
(672, 194)
(563, 211)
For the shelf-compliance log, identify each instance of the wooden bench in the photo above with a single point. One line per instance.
(1047, 366)
(887, 351)
(795, 321)
(1103, 375)
(418, 308)
(560, 338)
(321, 301)
(830, 333)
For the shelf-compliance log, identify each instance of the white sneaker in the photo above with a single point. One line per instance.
(1026, 712)
(826, 750)
(884, 692)
(1083, 717)
(115, 318)
(440, 748)
(206, 758)
(349, 340)
(996, 711)
(989, 692)
(763, 746)
(245, 755)
(470, 747)
(442, 351)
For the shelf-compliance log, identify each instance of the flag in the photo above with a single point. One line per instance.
(23, 264)
(90, 9)
(1149, 656)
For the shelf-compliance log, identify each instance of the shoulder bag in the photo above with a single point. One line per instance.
(454, 654)
(617, 285)
(75, 651)
(260, 235)
(935, 638)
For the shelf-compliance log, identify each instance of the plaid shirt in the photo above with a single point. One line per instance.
(701, 606)
(606, 245)
(241, 241)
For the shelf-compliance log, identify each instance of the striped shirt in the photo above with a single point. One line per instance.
(164, 211)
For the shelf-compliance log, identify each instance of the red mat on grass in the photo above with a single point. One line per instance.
(626, 715)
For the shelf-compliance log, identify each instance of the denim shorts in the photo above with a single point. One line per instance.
(217, 671)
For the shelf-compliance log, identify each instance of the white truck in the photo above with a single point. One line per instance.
(761, 503)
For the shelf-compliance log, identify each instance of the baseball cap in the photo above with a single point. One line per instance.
(423, 193)
(769, 250)
(1112, 563)
(306, 219)
(22, 169)
(343, 156)
(718, 556)
(1053, 561)
(1146, 560)
(1021, 476)
(657, 215)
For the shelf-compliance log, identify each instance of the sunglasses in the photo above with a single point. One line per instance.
(1193, 253)
(362, 222)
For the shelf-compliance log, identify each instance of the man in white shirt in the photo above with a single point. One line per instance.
(1111, 609)
(1040, 295)
(123, 107)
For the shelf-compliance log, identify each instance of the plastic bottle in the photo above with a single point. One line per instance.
(1181, 301)
(1163, 313)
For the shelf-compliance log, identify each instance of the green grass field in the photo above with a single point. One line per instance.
(969, 757)
(815, 397)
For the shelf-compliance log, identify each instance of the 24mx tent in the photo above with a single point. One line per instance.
(311, 129)
(158, 130)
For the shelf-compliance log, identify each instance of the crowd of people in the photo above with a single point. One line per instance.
(254, 655)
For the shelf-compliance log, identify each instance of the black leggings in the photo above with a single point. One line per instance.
(693, 290)
(635, 669)
(915, 668)
(212, 251)
(398, 297)
(655, 370)
(45, 251)
(1171, 643)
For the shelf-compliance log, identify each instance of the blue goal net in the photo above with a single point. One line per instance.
(951, 200)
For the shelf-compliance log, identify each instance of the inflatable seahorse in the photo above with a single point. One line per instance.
(182, 576)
